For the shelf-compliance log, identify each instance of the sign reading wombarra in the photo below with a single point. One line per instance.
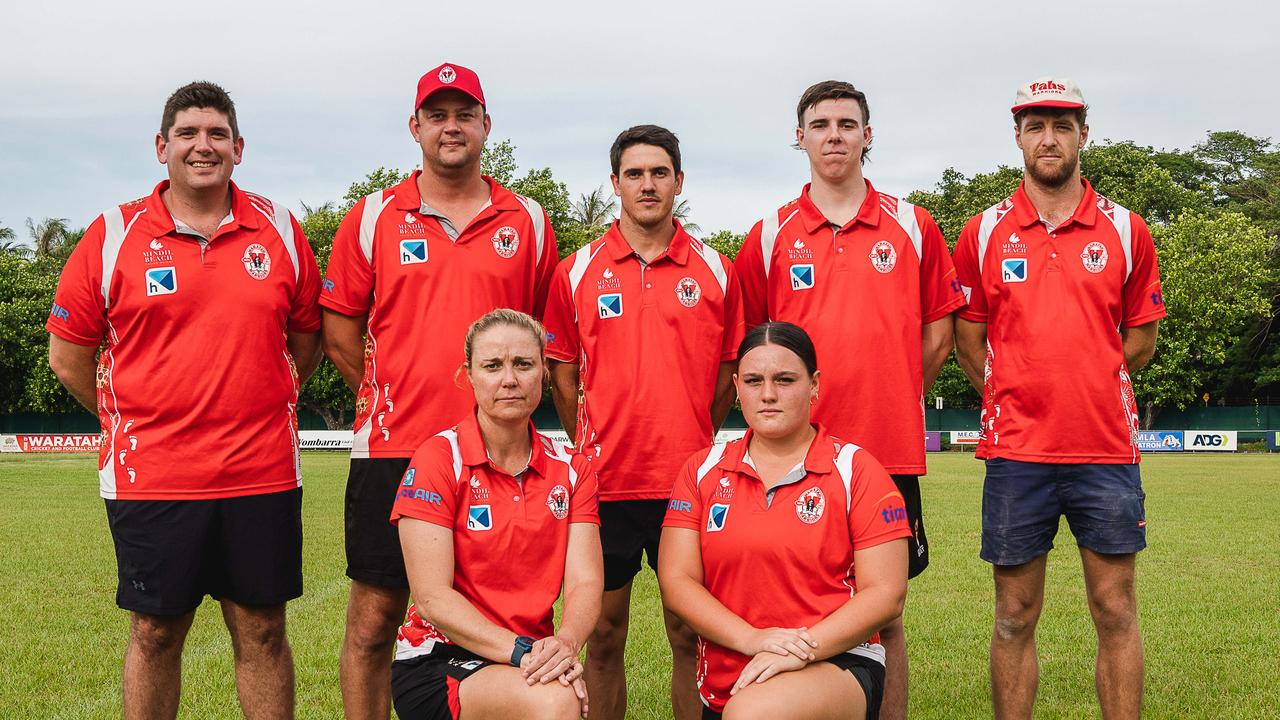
(51, 442)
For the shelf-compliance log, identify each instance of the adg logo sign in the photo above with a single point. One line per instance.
(1212, 440)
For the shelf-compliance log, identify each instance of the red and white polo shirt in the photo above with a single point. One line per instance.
(422, 289)
(510, 534)
(649, 339)
(863, 292)
(1057, 388)
(196, 390)
(782, 557)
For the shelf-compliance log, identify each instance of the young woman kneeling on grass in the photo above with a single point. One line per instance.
(496, 521)
(760, 544)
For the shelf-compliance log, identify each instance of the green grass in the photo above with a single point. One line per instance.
(1209, 592)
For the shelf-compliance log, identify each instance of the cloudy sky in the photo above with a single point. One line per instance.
(324, 89)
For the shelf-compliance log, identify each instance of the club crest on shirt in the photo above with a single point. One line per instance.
(810, 505)
(883, 256)
(609, 305)
(688, 292)
(256, 261)
(1094, 257)
(479, 518)
(801, 277)
(506, 241)
(558, 501)
(799, 251)
(478, 491)
(1014, 245)
(716, 517)
(724, 490)
(162, 281)
(157, 253)
(1013, 270)
(609, 281)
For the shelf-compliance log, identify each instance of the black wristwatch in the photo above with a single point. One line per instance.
(524, 644)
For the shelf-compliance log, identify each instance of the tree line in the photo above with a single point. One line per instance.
(1214, 212)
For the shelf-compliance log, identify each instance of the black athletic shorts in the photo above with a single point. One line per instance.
(426, 687)
(628, 529)
(171, 553)
(868, 673)
(373, 543)
(917, 544)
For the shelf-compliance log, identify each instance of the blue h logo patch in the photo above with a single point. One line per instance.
(801, 277)
(479, 518)
(162, 281)
(413, 252)
(610, 305)
(716, 518)
(1013, 270)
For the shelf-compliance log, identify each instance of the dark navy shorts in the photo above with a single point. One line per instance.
(1022, 503)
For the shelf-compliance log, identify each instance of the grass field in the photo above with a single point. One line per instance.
(1209, 591)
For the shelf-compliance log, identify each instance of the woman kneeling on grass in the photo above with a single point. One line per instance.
(495, 521)
(760, 543)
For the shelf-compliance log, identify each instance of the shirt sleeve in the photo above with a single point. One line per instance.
(79, 313)
(877, 511)
(734, 328)
(940, 293)
(1142, 297)
(969, 273)
(349, 278)
(546, 268)
(584, 507)
(560, 318)
(684, 509)
(749, 267)
(428, 490)
(304, 316)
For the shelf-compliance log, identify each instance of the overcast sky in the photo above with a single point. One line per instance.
(324, 90)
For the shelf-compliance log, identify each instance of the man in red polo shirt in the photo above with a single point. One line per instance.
(412, 267)
(1064, 302)
(858, 270)
(648, 320)
(202, 298)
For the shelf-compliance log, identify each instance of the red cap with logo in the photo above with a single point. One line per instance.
(1048, 92)
(448, 77)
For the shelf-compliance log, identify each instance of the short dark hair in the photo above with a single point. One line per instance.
(834, 90)
(645, 135)
(783, 334)
(199, 94)
(1081, 114)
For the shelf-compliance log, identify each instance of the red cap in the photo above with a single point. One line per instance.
(449, 77)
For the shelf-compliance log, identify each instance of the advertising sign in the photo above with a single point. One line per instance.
(964, 437)
(324, 439)
(1160, 441)
(51, 443)
(1211, 440)
(933, 441)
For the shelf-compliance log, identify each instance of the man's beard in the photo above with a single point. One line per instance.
(1056, 179)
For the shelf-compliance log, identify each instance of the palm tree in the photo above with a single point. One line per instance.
(595, 209)
(681, 212)
(51, 238)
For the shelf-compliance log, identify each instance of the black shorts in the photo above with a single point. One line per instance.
(373, 543)
(171, 553)
(426, 687)
(917, 544)
(628, 529)
(868, 673)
